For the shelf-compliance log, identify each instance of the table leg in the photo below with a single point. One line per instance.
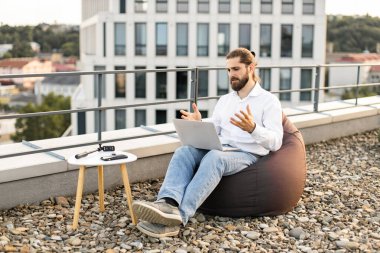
(101, 187)
(124, 173)
(78, 198)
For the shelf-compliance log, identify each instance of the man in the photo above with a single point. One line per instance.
(249, 118)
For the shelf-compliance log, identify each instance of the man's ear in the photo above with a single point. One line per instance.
(252, 67)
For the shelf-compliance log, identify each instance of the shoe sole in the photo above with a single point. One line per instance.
(153, 215)
(147, 232)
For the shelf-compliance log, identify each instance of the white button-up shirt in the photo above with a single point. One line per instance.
(267, 114)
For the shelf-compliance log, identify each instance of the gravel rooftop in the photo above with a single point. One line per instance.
(339, 212)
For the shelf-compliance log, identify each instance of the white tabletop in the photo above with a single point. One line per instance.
(93, 159)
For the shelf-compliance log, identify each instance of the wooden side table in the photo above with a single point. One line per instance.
(94, 160)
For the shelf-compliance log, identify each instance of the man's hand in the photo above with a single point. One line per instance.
(195, 116)
(246, 122)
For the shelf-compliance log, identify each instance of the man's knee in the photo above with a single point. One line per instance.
(185, 149)
(215, 154)
(216, 158)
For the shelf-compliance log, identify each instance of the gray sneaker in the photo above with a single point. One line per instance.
(157, 230)
(157, 212)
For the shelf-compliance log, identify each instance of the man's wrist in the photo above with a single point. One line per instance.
(253, 128)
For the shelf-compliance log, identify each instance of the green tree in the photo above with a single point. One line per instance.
(362, 92)
(70, 49)
(43, 127)
(21, 49)
(7, 55)
(50, 37)
(353, 33)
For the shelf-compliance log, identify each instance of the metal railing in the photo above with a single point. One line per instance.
(194, 98)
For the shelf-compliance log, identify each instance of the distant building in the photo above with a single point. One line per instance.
(6, 92)
(13, 66)
(149, 34)
(7, 129)
(60, 85)
(35, 47)
(32, 66)
(56, 57)
(35, 66)
(374, 74)
(339, 76)
(21, 99)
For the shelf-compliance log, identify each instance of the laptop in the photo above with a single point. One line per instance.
(199, 134)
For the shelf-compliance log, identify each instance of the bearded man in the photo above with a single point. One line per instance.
(249, 118)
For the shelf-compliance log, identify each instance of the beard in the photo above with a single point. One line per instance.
(238, 84)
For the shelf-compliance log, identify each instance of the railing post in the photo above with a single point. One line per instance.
(194, 87)
(357, 86)
(100, 95)
(316, 86)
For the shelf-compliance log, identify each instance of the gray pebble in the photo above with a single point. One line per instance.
(296, 232)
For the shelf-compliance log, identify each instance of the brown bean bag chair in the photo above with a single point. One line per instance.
(272, 186)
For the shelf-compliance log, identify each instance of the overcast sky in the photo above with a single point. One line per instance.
(32, 12)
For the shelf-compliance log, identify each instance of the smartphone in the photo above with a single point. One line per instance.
(113, 157)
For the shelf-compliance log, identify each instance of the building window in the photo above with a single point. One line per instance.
(222, 82)
(308, 7)
(182, 39)
(81, 118)
(178, 114)
(203, 83)
(161, 38)
(161, 6)
(140, 117)
(286, 40)
(161, 83)
(140, 39)
(223, 39)
(266, 6)
(203, 6)
(265, 76)
(307, 41)
(306, 79)
(287, 7)
(285, 83)
(104, 39)
(204, 114)
(141, 5)
(245, 6)
(181, 81)
(245, 35)
(182, 6)
(120, 119)
(224, 6)
(122, 6)
(140, 83)
(202, 39)
(120, 39)
(102, 121)
(96, 82)
(120, 79)
(161, 116)
(266, 40)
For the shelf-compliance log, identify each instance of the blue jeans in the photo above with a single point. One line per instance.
(194, 173)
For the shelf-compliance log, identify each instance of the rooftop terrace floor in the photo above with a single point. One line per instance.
(339, 211)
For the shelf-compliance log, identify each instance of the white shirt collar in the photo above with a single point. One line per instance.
(257, 90)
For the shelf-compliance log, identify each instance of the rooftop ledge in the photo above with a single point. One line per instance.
(47, 176)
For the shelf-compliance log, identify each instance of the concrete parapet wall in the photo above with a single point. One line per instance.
(33, 178)
(35, 189)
